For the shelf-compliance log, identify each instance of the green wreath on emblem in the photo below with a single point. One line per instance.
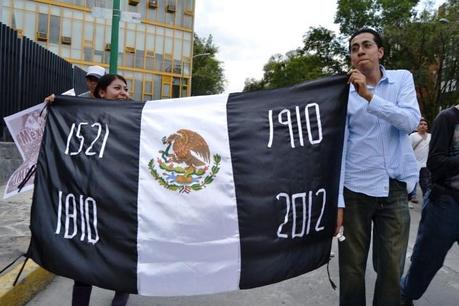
(177, 169)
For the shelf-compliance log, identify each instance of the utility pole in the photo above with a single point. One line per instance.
(114, 39)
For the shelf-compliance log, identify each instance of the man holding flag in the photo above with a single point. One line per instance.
(379, 168)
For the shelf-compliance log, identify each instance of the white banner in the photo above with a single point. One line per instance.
(26, 128)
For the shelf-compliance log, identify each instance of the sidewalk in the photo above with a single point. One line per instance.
(14, 241)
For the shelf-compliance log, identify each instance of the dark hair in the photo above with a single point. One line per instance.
(376, 36)
(424, 119)
(105, 81)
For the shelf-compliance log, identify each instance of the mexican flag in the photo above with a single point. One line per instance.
(190, 196)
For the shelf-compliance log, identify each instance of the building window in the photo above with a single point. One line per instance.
(138, 89)
(99, 56)
(184, 92)
(166, 87)
(156, 87)
(186, 66)
(100, 3)
(149, 59)
(177, 67)
(147, 90)
(139, 60)
(167, 63)
(88, 54)
(54, 29)
(176, 88)
(130, 85)
(43, 23)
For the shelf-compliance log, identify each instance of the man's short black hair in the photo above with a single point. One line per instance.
(376, 36)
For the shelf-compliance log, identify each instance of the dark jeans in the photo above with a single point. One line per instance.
(390, 218)
(438, 231)
(82, 293)
(424, 180)
(424, 183)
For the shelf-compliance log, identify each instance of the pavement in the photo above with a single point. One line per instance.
(14, 240)
(38, 287)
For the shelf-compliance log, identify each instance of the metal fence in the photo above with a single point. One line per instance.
(29, 73)
(79, 81)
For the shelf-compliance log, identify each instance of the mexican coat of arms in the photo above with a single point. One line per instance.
(185, 163)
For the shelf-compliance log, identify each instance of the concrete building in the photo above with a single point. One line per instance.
(155, 38)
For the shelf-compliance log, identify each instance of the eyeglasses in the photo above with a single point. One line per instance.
(366, 45)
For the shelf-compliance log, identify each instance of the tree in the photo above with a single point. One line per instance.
(286, 70)
(427, 46)
(251, 84)
(207, 74)
(353, 15)
(322, 55)
(328, 48)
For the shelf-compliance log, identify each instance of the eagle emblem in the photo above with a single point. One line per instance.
(185, 163)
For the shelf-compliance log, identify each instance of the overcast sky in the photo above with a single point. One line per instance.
(248, 32)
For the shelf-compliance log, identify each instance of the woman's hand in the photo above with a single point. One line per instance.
(50, 99)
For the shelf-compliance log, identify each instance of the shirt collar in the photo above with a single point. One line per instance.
(384, 78)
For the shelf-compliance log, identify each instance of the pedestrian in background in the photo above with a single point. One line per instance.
(439, 226)
(378, 167)
(420, 142)
(93, 75)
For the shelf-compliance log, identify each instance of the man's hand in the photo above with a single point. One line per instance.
(339, 220)
(359, 80)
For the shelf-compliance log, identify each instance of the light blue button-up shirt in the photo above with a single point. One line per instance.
(377, 145)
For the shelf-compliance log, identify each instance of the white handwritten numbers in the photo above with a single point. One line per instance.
(72, 208)
(284, 117)
(75, 135)
(301, 203)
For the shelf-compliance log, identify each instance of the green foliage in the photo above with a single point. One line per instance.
(252, 84)
(322, 55)
(355, 14)
(281, 71)
(428, 48)
(328, 48)
(207, 75)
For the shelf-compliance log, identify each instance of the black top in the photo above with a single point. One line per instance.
(443, 160)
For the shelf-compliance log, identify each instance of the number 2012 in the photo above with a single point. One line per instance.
(75, 131)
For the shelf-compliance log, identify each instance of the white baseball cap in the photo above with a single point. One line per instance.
(96, 71)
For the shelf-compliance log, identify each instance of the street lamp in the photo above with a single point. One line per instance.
(201, 54)
(443, 20)
(195, 56)
(441, 63)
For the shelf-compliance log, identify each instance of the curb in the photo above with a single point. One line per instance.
(33, 279)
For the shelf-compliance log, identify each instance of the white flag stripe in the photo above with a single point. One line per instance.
(179, 250)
